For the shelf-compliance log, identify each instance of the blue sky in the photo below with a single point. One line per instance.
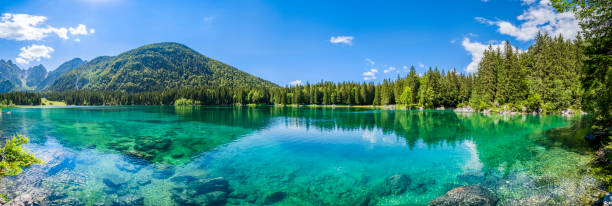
(281, 41)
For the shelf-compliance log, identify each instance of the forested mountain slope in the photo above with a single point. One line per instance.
(155, 67)
(61, 70)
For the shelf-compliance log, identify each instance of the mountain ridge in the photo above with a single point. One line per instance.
(155, 67)
(151, 67)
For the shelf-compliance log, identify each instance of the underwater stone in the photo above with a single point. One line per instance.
(128, 200)
(21, 200)
(67, 163)
(138, 154)
(163, 173)
(274, 197)
(127, 167)
(113, 181)
(143, 182)
(67, 201)
(215, 198)
(212, 185)
(395, 185)
(467, 195)
(183, 179)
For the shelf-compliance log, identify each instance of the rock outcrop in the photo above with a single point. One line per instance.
(394, 185)
(472, 195)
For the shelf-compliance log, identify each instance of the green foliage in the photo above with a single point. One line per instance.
(15, 157)
(534, 102)
(186, 102)
(549, 71)
(19, 98)
(406, 97)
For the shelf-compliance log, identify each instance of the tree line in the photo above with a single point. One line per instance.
(20, 98)
(546, 76)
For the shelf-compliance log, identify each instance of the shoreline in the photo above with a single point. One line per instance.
(399, 107)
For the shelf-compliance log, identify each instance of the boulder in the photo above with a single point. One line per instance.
(472, 195)
(22, 200)
(163, 173)
(137, 154)
(208, 199)
(274, 197)
(212, 185)
(129, 200)
(128, 167)
(215, 198)
(394, 185)
(113, 181)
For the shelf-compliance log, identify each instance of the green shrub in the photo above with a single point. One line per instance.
(534, 101)
(13, 157)
(186, 102)
(549, 107)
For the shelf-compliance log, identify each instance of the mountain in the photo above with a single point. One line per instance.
(155, 67)
(61, 70)
(10, 76)
(13, 78)
(34, 75)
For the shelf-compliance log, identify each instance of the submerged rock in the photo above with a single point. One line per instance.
(138, 154)
(163, 173)
(467, 195)
(22, 200)
(127, 167)
(113, 181)
(190, 191)
(129, 200)
(215, 198)
(211, 185)
(274, 197)
(394, 185)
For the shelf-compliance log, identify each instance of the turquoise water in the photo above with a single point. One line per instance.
(159, 155)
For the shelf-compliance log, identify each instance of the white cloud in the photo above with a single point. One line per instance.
(370, 75)
(209, 18)
(80, 30)
(527, 2)
(538, 17)
(476, 49)
(452, 41)
(22, 27)
(421, 65)
(296, 82)
(369, 61)
(33, 52)
(348, 40)
(390, 69)
(405, 68)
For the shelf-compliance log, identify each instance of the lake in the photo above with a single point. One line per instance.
(165, 155)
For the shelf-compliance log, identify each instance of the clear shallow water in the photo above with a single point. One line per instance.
(290, 156)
